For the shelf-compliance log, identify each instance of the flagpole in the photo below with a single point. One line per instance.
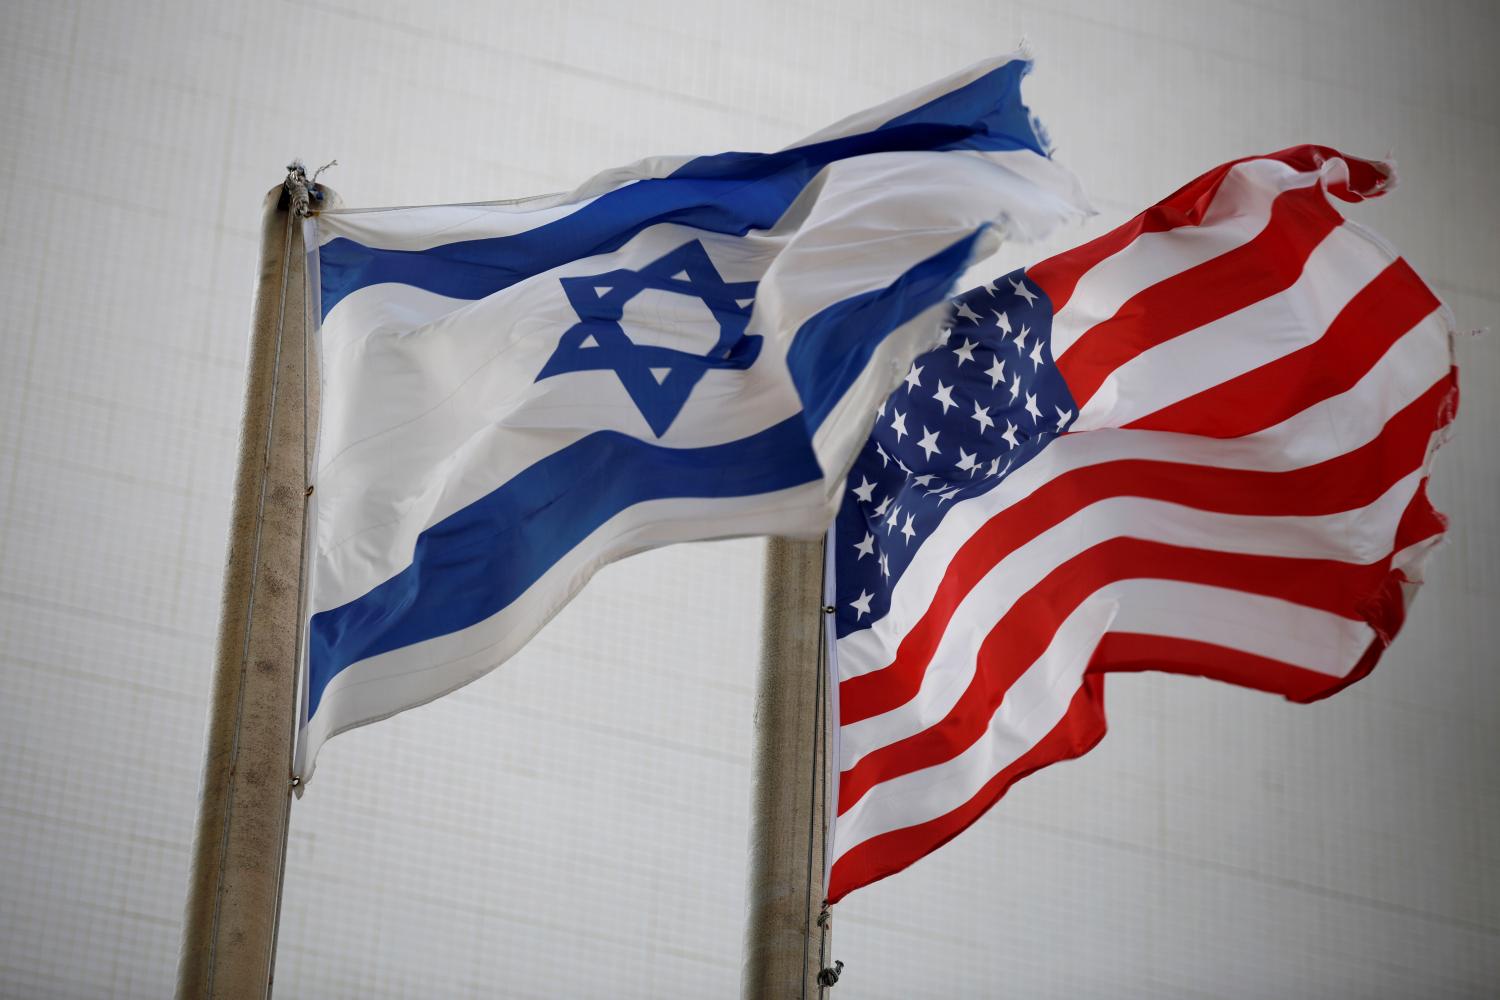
(784, 937)
(234, 889)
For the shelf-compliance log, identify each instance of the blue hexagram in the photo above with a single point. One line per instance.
(597, 342)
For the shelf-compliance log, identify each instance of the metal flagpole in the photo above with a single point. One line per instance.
(784, 936)
(234, 890)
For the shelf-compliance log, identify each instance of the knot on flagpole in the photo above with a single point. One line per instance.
(828, 975)
(302, 190)
(297, 191)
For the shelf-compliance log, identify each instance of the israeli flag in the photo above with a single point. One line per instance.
(516, 393)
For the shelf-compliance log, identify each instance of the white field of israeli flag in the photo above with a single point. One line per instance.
(516, 393)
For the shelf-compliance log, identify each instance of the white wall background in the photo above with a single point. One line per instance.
(575, 824)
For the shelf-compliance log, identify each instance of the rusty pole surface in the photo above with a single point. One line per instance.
(239, 848)
(783, 939)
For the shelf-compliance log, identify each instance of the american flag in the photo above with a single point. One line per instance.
(1196, 444)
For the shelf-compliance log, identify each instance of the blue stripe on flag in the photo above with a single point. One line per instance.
(475, 562)
(830, 350)
(728, 193)
(993, 104)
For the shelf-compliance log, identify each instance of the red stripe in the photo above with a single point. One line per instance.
(1058, 276)
(1345, 482)
(1128, 652)
(1385, 609)
(1421, 520)
(1270, 263)
(1023, 633)
(1384, 310)
(1079, 731)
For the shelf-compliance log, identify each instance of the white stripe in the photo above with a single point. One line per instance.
(426, 226)
(1263, 626)
(1240, 211)
(1336, 271)
(1364, 535)
(375, 311)
(1030, 709)
(382, 685)
(1332, 427)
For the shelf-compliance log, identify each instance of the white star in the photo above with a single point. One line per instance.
(1023, 291)
(945, 497)
(966, 462)
(944, 395)
(861, 604)
(965, 351)
(923, 479)
(982, 417)
(1031, 408)
(879, 512)
(1063, 416)
(965, 312)
(994, 469)
(1020, 340)
(1036, 354)
(902, 466)
(886, 459)
(890, 522)
(1003, 322)
(898, 424)
(1010, 434)
(885, 566)
(881, 412)
(996, 372)
(929, 443)
(866, 547)
(906, 529)
(865, 490)
(914, 377)
(1015, 390)
(943, 337)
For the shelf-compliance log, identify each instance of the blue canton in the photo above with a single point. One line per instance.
(658, 379)
(986, 401)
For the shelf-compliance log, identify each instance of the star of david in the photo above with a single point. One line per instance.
(658, 379)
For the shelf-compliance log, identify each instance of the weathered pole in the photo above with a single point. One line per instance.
(784, 939)
(239, 848)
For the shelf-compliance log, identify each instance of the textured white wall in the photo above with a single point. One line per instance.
(575, 824)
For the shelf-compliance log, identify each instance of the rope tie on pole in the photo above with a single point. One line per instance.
(827, 975)
(302, 194)
(298, 190)
(813, 785)
(303, 191)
